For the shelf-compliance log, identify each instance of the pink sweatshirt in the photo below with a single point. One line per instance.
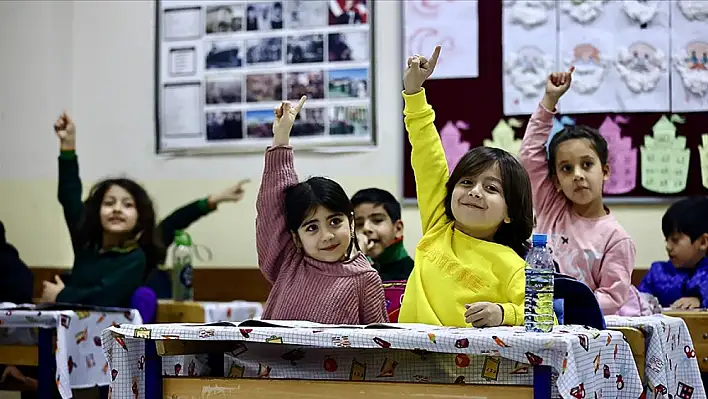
(598, 252)
(349, 292)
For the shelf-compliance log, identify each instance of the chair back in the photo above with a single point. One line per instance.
(577, 303)
(144, 301)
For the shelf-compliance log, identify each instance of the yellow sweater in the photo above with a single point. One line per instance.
(451, 269)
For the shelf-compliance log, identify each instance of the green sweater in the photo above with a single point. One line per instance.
(394, 264)
(99, 277)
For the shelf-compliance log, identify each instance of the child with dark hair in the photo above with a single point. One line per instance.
(682, 282)
(306, 244)
(476, 224)
(113, 233)
(587, 241)
(377, 219)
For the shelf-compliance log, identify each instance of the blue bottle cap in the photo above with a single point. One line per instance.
(538, 240)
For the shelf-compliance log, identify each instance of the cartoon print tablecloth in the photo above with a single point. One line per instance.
(79, 358)
(586, 362)
(671, 364)
(213, 312)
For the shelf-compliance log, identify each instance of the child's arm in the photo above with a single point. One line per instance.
(273, 240)
(371, 299)
(114, 287)
(183, 217)
(533, 154)
(697, 287)
(69, 189)
(615, 276)
(514, 309)
(427, 155)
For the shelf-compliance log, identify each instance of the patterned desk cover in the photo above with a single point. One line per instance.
(79, 358)
(671, 364)
(587, 363)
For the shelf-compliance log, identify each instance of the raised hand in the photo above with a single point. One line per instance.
(66, 131)
(285, 116)
(419, 69)
(558, 83)
(232, 194)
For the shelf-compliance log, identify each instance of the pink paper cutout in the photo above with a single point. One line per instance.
(452, 143)
(622, 157)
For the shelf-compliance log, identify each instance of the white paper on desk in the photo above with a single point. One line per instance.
(451, 24)
(642, 65)
(529, 55)
(592, 52)
(689, 63)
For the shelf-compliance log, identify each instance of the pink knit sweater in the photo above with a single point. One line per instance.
(303, 288)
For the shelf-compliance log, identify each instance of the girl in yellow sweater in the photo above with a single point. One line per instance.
(476, 222)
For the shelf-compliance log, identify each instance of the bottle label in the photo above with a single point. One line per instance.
(185, 277)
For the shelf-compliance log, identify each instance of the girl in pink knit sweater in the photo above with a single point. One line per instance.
(306, 245)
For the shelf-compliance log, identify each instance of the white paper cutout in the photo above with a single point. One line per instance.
(694, 10)
(692, 65)
(590, 68)
(641, 11)
(528, 69)
(503, 137)
(452, 143)
(641, 66)
(703, 153)
(528, 13)
(583, 11)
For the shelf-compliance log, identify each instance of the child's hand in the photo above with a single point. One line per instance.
(231, 194)
(364, 244)
(419, 69)
(556, 85)
(484, 314)
(284, 120)
(687, 303)
(51, 290)
(66, 131)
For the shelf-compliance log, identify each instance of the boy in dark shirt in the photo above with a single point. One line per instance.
(682, 282)
(377, 216)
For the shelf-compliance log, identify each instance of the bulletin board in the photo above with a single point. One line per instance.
(474, 107)
(222, 67)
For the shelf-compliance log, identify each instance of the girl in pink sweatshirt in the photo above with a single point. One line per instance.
(587, 241)
(306, 244)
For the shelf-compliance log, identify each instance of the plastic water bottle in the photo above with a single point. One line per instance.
(538, 301)
(182, 267)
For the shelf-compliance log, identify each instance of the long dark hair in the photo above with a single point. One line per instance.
(517, 193)
(302, 198)
(89, 231)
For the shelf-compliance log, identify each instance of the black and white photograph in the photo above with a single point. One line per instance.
(225, 18)
(309, 122)
(349, 46)
(263, 17)
(348, 83)
(348, 12)
(349, 120)
(224, 90)
(264, 51)
(305, 49)
(301, 14)
(310, 84)
(259, 124)
(224, 125)
(264, 87)
(224, 54)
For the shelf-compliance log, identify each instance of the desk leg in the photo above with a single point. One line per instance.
(46, 368)
(216, 364)
(542, 382)
(153, 371)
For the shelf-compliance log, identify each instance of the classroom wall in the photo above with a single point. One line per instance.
(96, 60)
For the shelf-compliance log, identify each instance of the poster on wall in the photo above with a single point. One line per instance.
(224, 66)
(451, 24)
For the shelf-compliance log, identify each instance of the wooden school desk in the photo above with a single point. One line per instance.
(169, 311)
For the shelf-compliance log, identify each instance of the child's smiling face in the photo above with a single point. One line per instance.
(478, 204)
(325, 235)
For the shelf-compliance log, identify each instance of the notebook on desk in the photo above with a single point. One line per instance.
(258, 323)
(70, 306)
